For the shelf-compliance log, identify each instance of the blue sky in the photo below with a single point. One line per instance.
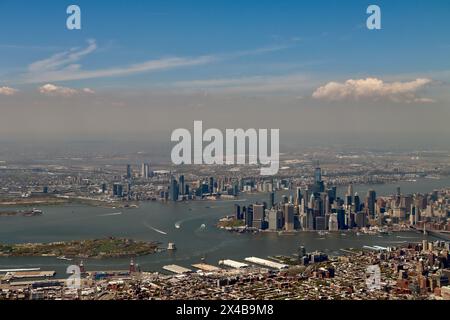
(229, 63)
(324, 38)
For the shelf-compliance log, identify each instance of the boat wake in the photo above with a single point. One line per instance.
(180, 222)
(201, 228)
(154, 229)
(110, 214)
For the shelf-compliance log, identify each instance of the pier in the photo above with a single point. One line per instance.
(177, 269)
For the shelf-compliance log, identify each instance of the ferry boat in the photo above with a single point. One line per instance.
(63, 258)
(34, 212)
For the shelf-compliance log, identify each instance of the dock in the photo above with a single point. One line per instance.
(19, 270)
(31, 274)
(177, 269)
(267, 263)
(205, 267)
(375, 248)
(233, 264)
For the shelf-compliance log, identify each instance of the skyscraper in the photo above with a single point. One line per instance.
(117, 190)
(341, 219)
(272, 199)
(357, 202)
(211, 185)
(174, 190)
(145, 170)
(182, 185)
(275, 218)
(288, 213)
(317, 175)
(350, 190)
(248, 215)
(349, 196)
(258, 216)
(320, 223)
(298, 196)
(129, 172)
(371, 198)
(237, 212)
(318, 183)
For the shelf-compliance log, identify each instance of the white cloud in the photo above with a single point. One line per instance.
(64, 66)
(88, 90)
(8, 91)
(63, 59)
(53, 90)
(373, 89)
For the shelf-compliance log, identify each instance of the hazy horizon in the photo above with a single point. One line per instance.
(140, 72)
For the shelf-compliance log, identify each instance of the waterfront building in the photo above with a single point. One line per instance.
(288, 213)
(320, 223)
(248, 214)
(258, 216)
(174, 189)
(117, 190)
(340, 215)
(333, 222)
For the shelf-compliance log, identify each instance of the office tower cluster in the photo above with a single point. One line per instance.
(312, 208)
(145, 171)
(317, 207)
(123, 187)
(210, 187)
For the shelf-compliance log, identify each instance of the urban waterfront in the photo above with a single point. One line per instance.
(156, 221)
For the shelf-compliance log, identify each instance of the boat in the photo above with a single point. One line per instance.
(63, 258)
(171, 246)
(34, 212)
